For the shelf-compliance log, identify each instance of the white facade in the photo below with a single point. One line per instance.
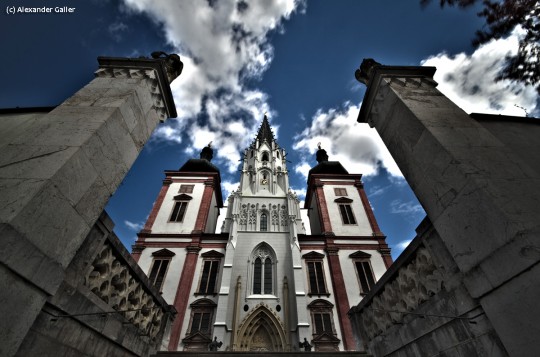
(262, 283)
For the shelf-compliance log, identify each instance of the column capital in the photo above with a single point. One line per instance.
(371, 72)
(159, 70)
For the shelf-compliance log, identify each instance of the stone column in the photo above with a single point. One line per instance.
(183, 293)
(340, 293)
(57, 172)
(481, 196)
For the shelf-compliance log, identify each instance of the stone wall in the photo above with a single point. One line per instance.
(421, 307)
(104, 307)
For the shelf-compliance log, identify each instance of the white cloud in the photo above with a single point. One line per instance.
(134, 226)
(357, 146)
(469, 80)
(221, 43)
(400, 246)
(409, 207)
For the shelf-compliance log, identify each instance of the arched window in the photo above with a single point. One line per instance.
(264, 156)
(263, 270)
(264, 222)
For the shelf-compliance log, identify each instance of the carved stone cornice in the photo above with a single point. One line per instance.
(193, 249)
(158, 72)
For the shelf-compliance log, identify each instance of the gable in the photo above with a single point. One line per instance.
(183, 197)
(360, 254)
(163, 253)
(343, 200)
(313, 255)
(212, 254)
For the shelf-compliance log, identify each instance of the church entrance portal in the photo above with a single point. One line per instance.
(262, 331)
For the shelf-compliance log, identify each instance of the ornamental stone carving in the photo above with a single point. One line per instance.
(111, 280)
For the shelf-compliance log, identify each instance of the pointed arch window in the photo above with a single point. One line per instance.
(264, 222)
(264, 156)
(263, 271)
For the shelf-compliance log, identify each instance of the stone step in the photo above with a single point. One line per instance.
(251, 353)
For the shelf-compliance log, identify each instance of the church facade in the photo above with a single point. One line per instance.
(262, 283)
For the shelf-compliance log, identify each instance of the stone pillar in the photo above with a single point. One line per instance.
(204, 209)
(182, 294)
(157, 206)
(57, 172)
(326, 226)
(481, 196)
(340, 292)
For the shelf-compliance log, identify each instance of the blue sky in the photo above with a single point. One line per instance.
(294, 60)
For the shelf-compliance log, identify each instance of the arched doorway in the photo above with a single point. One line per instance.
(261, 330)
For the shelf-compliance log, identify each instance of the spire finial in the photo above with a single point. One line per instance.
(321, 154)
(207, 152)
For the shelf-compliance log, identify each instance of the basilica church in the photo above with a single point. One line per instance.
(262, 283)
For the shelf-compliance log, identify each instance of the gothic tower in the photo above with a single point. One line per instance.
(257, 307)
(262, 284)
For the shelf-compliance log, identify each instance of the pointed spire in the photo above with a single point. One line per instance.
(265, 131)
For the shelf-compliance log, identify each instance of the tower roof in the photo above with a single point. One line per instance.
(265, 131)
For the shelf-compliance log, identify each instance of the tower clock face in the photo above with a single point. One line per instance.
(264, 181)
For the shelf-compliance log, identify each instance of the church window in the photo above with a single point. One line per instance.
(251, 153)
(186, 189)
(347, 215)
(339, 191)
(265, 156)
(277, 153)
(365, 275)
(316, 278)
(315, 271)
(209, 275)
(158, 271)
(179, 210)
(263, 272)
(202, 312)
(264, 222)
(322, 317)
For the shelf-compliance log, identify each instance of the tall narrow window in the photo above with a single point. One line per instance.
(264, 222)
(364, 271)
(158, 271)
(315, 271)
(365, 275)
(209, 273)
(265, 156)
(323, 324)
(263, 270)
(257, 277)
(179, 208)
(316, 278)
(202, 312)
(268, 276)
(347, 214)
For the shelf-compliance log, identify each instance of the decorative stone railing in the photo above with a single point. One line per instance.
(110, 279)
(117, 280)
(399, 292)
